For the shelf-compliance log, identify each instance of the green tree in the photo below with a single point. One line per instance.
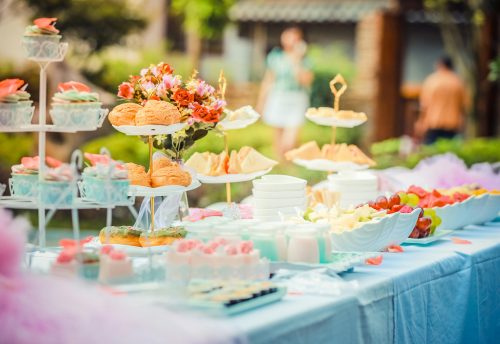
(94, 23)
(202, 19)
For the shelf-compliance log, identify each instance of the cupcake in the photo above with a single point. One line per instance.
(41, 40)
(75, 106)
(105, 181)
(15, 104)
(57, 187)
(72, 262)
(24, 177)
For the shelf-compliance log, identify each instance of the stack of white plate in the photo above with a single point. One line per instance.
(278, 194)
(354, 187)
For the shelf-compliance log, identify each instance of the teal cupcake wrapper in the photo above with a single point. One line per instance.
(16, 114)
(24, 185)
(42, 47)
(56, 193)
(102, 191)
(78, 115)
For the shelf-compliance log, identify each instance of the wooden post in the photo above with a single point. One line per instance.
(386, 115)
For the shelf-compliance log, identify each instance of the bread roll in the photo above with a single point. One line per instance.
(124, 114)
(157, 112)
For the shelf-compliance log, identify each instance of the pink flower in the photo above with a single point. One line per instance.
(144, 71)
(148, 86)
(125, 90)
(170, 81)
(203, 89)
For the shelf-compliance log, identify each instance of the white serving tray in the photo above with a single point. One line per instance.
(146, 130)
(144, 191)
(231, 178)
(335, 122)
(328, 165)
(438, 235)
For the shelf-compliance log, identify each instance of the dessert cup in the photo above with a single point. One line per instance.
(14, 115)
(103, 191)
(24, 185)
(58, 193)
(42, 47)
(84, 115)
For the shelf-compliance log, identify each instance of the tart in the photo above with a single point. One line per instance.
(163, 236)
(122, 235)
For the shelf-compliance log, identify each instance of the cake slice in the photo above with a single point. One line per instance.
(200, 162)
(253, 161)
(234, 163)
(308, 151)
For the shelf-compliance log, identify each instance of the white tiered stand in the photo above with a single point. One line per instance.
(42, 128)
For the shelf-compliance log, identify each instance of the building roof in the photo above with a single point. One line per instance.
(319, 11)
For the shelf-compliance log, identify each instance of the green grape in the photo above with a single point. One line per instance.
(403, 197)
(412, 200)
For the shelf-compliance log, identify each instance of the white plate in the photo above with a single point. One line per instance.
(236, 124)
(144, 191)
(438, 235)
(342, 262)
(145, 130)
(328, 165)
(335, 122)
(231, 178)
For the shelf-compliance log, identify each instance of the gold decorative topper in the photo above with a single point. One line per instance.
(337, 92)
(222, 84)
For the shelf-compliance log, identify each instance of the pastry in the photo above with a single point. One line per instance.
(307, 151)
(164, 236)
(124, 114)
(252, 161)
(161, 163)
(219, 164)
(200, 162)
(234, 163)
(341, 114)
(157, 112)
(170, 175)
(123, 235)
(137, 175)
(115, 265)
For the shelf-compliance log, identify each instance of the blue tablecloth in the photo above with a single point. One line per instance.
(440, 293)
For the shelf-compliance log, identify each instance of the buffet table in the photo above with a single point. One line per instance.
(441, 293)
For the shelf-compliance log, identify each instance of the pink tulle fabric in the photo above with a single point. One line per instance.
(440, 171)
(46, 309)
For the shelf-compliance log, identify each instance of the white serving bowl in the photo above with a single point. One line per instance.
(275, 182)
(490, 209)
(451, 215)
(372, 236)
(404, 226)
(279, 194)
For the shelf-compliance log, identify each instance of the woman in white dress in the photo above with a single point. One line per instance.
(284, 93)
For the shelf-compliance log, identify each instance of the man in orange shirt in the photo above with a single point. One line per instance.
(443, 102)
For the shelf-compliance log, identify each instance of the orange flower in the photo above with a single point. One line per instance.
(201, 113)
(165, 68)
(73, 85)
(183, 97)
(125, 90)
(46, 24)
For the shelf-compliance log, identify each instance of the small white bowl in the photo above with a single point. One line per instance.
(275, 182)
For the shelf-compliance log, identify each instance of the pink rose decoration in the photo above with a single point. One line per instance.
(117, 255)
(125, 90)
(246, 247)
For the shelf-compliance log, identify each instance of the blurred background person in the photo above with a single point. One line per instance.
(443, 102)
(284, 94)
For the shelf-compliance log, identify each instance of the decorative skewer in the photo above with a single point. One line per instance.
(337, 93)
(151, 199)
(222, 92)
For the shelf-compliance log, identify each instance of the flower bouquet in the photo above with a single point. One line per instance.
(201, 107)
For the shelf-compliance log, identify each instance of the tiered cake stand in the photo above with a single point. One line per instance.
(333, 122)
(150, 192)
(224, 126)
(46, 211)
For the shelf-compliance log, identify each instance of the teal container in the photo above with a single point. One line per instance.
(267, 248)
(42, 47)
(89, 271)
(94, 189)
(57, 193)
(24, 185)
